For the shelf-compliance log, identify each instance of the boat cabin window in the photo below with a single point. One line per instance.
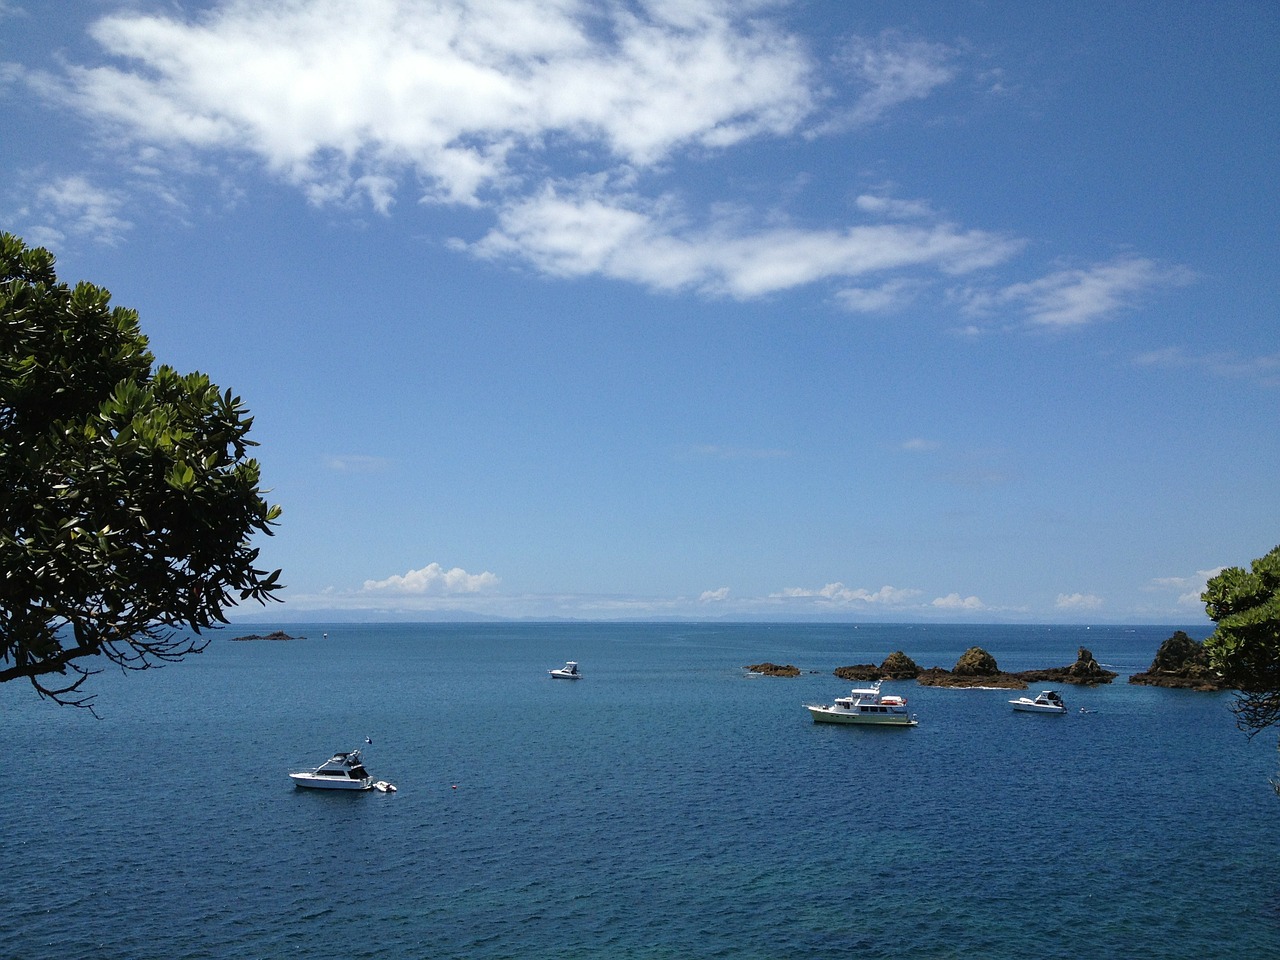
(358, 773)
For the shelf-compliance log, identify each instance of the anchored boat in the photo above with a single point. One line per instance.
(865, 706)
(1047, 701)
(342, 771)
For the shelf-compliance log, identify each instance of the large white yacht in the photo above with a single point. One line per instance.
(342, 771)
(865, 706)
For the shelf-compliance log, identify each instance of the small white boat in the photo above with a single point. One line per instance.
(865, 706)
(568, 672)
(383, 787)
(342, 771)
(1047, 701)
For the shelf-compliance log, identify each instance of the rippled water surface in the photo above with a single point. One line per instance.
(668, 805)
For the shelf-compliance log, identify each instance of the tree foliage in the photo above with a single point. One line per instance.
(127, 498)
(1245, 647)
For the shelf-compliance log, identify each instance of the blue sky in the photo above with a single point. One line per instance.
(846, 310)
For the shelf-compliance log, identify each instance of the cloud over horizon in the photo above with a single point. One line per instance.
(433, 580)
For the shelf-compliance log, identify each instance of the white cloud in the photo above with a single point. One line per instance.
(471, 99)
(73, 204)
(893, 209)
(1080, 296)
(1264, 368)
(893, 70)
(919, 445)
(1189, 588)
(433, 580)
(1077, 601)
(330, 92)
(838, 593)
(881, 299)
(583, 230)
(356, 463)
(955, 602)
(714, 596)
(475, 102)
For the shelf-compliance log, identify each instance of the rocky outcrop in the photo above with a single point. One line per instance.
(896, 666)
(774, 670)
(858, 672)
(1086, 671)
(937, 677)
(1181, 662)
(977, 668)
(976, 662)
(276, 635)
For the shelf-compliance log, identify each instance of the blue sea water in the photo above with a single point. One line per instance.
(669, 805)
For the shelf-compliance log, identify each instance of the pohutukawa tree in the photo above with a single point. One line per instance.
(1245, 647)
(128, 503)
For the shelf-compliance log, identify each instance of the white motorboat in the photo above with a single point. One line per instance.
(568, 672)
(865, 706)
(342, 771)
(1046, 701)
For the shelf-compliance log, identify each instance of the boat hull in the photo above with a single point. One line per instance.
(311, 782)
(1036, 707)
(822, 714)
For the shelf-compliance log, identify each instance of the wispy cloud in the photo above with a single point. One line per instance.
(838, 593)
(882, 206)
(1264, 369)
(1080, 296)
(562, 122)
(1077, 601)
(920, 445)
(466, 101)
(885, 298)
(581, 229)
(891, 70)
(73, 205)
(1188, 588)
(356, 463)
(953, 602)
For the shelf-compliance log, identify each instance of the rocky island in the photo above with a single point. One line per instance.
(774, 670)
(1181, 663)
(896, 666)
(276, 635)
(977, 668)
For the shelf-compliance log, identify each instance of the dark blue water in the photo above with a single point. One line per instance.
(666, 806)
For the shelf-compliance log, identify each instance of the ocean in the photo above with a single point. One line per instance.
(668, 805)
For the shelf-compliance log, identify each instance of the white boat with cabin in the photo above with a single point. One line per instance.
(568, 672)
(342, 771)
(1046, 701)
(865, 706)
